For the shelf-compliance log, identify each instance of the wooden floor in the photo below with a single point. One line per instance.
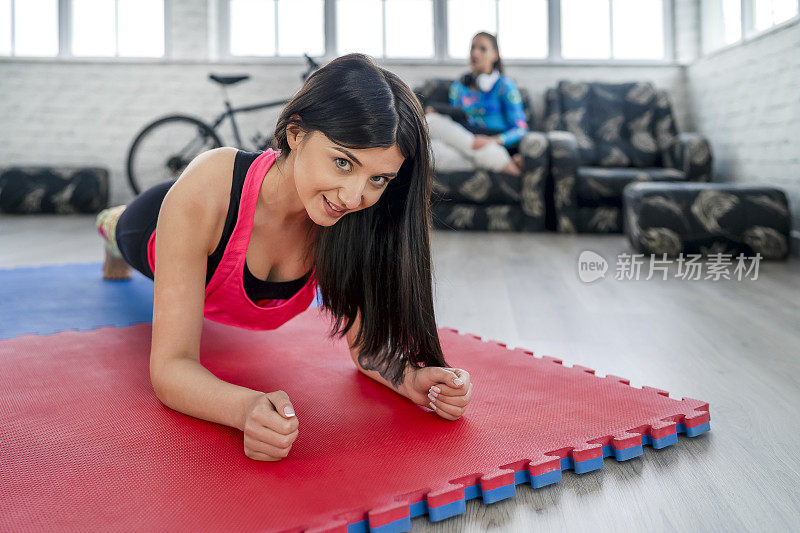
(734, 344)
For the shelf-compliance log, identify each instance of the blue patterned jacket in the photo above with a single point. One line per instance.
(500, 109)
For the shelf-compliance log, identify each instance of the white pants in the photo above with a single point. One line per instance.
(451, 144)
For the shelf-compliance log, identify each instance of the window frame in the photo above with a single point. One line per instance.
(64, 14)
(218, 44)
(441, 56)
(748, 32)
(667, 21)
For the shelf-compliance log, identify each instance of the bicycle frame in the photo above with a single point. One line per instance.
(231, 111)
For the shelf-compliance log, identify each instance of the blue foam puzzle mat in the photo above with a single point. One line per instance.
(72, 296)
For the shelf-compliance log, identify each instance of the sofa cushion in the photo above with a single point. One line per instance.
(614, 122)
(478, 187)
(598, 186)
(460, 216)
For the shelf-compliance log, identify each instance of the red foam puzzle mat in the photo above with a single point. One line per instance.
(86, 445)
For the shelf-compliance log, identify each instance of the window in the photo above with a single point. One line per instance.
(638, 29)
(400, 15)
(385, 28)
(618, 29)
(98, 28)
(768, 13)
(29, 28)
(722, 23)
(380, 28)
(276, 27)
(359, 27)
(725, 22)
(401, 29)
(520, 26)
(443, 29)
(131, 28)
(585, 29)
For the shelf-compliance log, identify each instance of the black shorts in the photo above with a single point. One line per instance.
(137, 222)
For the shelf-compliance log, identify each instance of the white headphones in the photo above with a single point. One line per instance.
(485, 82)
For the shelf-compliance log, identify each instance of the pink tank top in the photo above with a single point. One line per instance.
(226, 301)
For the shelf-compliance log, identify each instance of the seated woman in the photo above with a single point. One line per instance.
(495, 116)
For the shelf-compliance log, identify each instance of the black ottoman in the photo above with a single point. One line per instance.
(53, 189)
(706, 218)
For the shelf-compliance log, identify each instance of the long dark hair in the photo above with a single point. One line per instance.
(375, 261)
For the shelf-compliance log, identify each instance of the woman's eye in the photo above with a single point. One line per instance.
(341, 159)
(385, 179)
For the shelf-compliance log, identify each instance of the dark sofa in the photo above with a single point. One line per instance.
(603, 136)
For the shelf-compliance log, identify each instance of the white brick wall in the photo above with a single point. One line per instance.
(746, 100)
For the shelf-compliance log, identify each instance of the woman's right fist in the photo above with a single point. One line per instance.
(269, 431)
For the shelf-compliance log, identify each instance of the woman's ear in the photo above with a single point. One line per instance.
(294, 134)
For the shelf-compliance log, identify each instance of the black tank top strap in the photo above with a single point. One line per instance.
(241, 163)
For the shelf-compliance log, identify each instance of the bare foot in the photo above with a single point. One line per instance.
(115, 268)
(512, 168)
(517, 159)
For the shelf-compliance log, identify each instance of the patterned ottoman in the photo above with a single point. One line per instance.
(53, 189)
(707, 218)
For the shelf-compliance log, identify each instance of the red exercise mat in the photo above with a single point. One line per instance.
(86, 445)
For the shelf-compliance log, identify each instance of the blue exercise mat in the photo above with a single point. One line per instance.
(52, 298)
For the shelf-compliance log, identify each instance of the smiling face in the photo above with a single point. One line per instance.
(333, 181)
(482, 54)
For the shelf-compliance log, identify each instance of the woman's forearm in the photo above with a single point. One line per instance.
(183, 384)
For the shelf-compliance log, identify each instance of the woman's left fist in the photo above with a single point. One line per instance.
(445, 390)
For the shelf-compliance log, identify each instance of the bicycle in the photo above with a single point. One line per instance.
(152, 160)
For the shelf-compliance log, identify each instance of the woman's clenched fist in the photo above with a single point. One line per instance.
(270, 427)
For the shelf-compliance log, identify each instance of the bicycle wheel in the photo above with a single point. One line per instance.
(164, 148)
